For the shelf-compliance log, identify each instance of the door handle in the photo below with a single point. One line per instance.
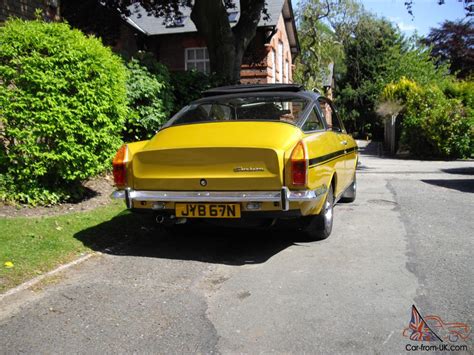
(344, 142)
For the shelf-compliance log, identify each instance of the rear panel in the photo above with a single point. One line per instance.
(223, 168)
(227, 155)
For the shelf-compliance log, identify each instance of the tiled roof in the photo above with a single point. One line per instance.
(151, 25)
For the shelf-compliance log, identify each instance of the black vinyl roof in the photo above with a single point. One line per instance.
(244, 89)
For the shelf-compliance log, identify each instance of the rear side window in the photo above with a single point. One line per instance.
(313, 122)
(332, 119)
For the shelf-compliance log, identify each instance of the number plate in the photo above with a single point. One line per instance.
(207, 210)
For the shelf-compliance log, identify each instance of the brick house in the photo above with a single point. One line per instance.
(25, 9)
(268, 59)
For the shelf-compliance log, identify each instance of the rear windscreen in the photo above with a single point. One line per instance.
(251, 108)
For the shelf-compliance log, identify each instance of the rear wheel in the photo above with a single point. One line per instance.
(320, 226)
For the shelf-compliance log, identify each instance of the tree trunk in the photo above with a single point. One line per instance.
(226, 45)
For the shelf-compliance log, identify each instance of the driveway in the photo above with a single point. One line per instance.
(408, 239)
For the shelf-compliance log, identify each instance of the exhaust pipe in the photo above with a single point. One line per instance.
(180, 220)
(169, 220)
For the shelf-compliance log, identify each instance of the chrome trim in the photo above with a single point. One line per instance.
(206, 196)
(128, 197)
(306, 195)
(285, 196)
(119, 194)
(240, 169)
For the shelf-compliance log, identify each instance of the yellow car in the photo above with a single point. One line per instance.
(244, 155)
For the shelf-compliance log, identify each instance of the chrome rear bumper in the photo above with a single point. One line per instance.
(285, 196)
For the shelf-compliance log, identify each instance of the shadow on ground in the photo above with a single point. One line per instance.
(139, 235)
(460, 171)
(463, 185)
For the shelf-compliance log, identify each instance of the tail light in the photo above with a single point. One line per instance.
(299, 165)
(120, 166)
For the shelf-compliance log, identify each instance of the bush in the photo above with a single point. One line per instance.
(433, 125)
(188, 86)
(461, 90)
(150, 100)
(63, 106)
(154, 95)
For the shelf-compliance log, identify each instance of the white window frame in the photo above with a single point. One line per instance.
(195, 60)
(280, 61)
(273, 57)
(287, 70)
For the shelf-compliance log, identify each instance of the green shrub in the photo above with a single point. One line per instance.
(461, 90)
(188, 86)
(154, 94)
(433, 125)
(63, 106)
(150, 100)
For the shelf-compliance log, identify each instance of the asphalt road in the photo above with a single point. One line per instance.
(408, 239)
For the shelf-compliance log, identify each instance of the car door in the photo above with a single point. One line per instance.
(342, 142)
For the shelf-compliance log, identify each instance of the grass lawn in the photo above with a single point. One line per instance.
(37, 245)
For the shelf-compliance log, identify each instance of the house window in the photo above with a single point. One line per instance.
(273, 79)
(197, 59)
(287, 71)
(280, 62)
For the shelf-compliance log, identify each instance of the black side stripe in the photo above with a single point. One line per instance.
(331, 156)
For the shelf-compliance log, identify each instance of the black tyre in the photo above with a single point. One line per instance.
(350, 194)
(319, 227)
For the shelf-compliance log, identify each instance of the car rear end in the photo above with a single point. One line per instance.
(232, 173)
(221, 169)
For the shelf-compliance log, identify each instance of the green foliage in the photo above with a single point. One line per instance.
(433, 125)
(414, 63)
(318, 52)
(367, 55)
(323, 28)
(370, 54)
(188, 86)
(154, 94)
(377, 55)
(63, 106)
(150, 100)
(462, 90)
